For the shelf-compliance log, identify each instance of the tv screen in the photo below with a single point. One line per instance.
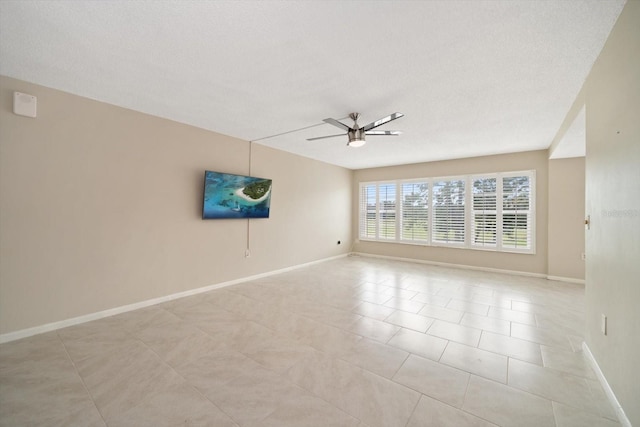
(235, 196)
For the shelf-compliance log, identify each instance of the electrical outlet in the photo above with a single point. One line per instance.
(247, 253)
(603, 325)
(583, 256)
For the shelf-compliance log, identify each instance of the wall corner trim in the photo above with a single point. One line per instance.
(622, 417)
(24, 333)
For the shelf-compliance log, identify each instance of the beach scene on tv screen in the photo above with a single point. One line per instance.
(235, 196)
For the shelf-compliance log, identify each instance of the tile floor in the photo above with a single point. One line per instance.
(350, 342)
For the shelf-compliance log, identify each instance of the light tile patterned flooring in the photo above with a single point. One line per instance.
(349, 342)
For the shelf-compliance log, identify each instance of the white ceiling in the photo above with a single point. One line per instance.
(472, 78)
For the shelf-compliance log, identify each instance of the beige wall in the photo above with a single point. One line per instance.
(101, 207)
(613, 201)
(536, 160)
(566, 218)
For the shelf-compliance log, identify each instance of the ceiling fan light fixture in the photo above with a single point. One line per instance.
(356, 138)
(356, 143)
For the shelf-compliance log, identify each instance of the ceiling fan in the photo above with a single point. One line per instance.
(356, 133)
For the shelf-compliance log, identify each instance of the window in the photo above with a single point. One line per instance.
(387, 211)
(516, 212)
(490, 212)
(378, 211)
(414, 216)
(484, 226)
(368, 212)
(448, 212)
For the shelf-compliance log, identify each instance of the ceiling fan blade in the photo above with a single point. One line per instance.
(323, 137)
(382, 121)
(383, 132)
(337, 124)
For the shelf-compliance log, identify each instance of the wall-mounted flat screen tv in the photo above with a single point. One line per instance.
(235, 196)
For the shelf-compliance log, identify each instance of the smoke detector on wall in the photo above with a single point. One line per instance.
(24, 104)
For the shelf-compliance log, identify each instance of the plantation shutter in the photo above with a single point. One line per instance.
(448, 212)
(387, 211)
(484, 215)
(414, 220)
(490, 211)
(517, 205)
(368, 211)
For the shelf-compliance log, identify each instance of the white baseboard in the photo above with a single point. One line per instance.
(472, 267)
(622, 417)
(450, 265)
(24, 333)
(567, 279)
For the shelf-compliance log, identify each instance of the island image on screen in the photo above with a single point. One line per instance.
(235, 196)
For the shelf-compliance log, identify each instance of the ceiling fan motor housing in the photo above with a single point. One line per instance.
(355, 135)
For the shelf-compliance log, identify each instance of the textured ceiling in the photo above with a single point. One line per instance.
(472, 78)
